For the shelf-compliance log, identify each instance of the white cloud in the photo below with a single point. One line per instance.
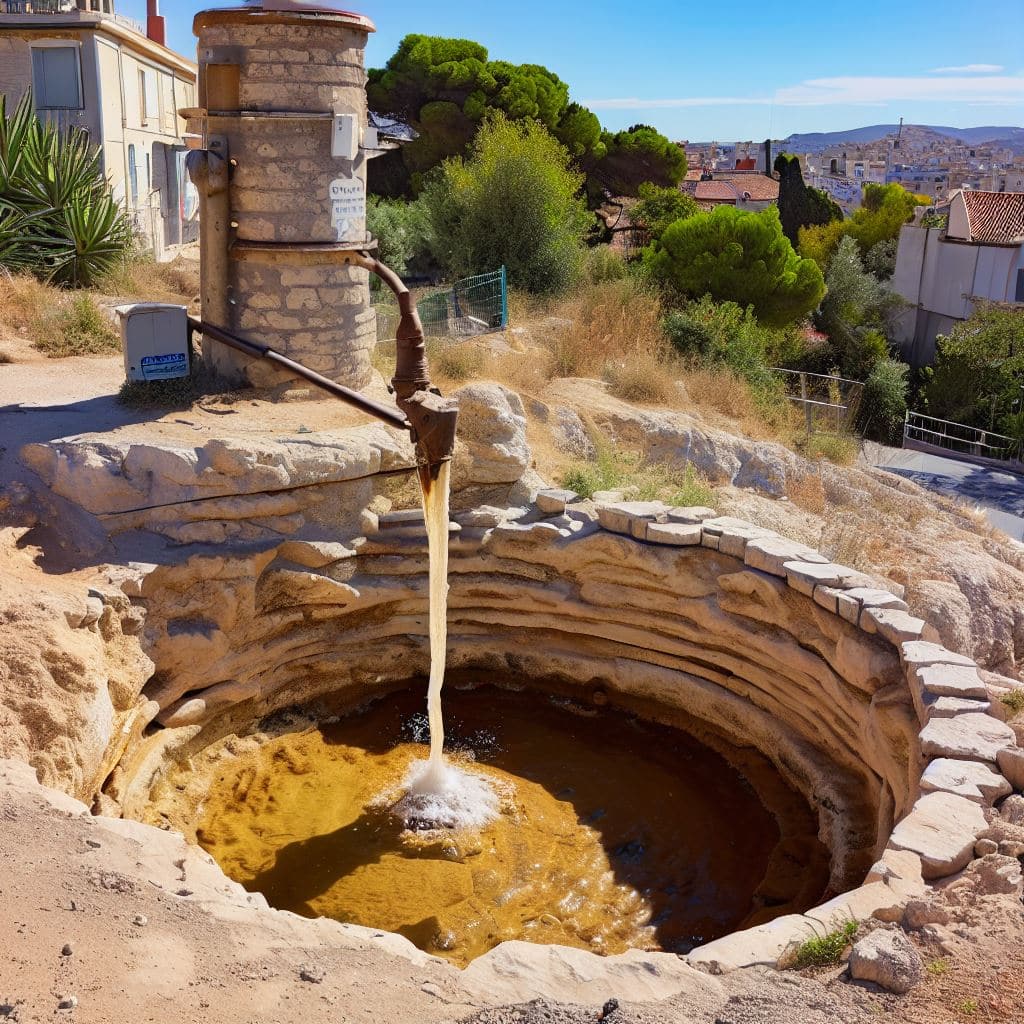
(969, 69)
(852, 90)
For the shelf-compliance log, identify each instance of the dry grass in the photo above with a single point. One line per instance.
(643, 378)
(141, 277)
(722, 393)
(57, 322)
(807, 492)
(605, 324)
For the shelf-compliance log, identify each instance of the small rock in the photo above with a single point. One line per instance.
(608, 1009)
(68, 1003)
(93, 844)
(430, 988)
(919, 913)
(983, 847)
(66, 949)
(888, 959)
(140, 920)
(1012, 809)
(997, 874)
(311, 973)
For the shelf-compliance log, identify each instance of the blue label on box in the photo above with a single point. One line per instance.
(174, 364)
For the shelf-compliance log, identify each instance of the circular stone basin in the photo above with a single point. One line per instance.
(615, 832)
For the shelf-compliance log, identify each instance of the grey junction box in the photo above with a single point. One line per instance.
(154, 336)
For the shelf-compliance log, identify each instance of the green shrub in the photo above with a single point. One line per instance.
(1014, 700)
(514, 202)
(604, 264)
(838, 448)
(825, 950)
(79, 329)
(737, 256)
(883, 405)
(58, 218)
(659, 207)
(401, 229)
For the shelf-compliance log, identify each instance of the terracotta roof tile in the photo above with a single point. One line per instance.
(716, 191)
(761, 188)
(995, 217)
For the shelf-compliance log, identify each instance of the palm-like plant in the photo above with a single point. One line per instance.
(58, 218)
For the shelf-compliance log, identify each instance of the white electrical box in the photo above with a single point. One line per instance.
(154, 336)
(345, 138)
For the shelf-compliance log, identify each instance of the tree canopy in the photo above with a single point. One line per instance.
(659, 207)
(637, 155)
(979, 370)
(740, 256)
(444, 89)
(514, 201)
(884, 210)
(799, 205)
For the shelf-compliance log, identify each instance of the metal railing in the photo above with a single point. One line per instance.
(828, 403)
(959, 438)
(37, 6)
(474, 305)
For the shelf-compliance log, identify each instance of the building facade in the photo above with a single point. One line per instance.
(90, 68)
(944, 272)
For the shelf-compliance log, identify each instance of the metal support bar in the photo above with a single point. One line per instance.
(257, 351)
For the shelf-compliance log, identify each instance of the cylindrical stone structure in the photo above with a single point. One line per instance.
(282, 93)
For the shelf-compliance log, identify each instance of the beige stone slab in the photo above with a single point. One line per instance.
(950, 707)
(676, 534)
(760, 946)
(857, 905)
(619, 517)
(690, 514)
(919, 653)
(941, 829)
(967, 737)
(1011, 764)
(951, 681)
(970, 779)
(896, 626)
(871, 597)
(805, 576)
(553, 502)
(770, 554)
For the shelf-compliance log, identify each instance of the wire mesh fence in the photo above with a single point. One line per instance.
(473, 305)
(829, 404)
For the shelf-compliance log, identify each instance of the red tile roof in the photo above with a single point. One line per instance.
(995, 217)
(762, 189)
(715, 192)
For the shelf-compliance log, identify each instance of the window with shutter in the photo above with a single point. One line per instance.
(56, 77)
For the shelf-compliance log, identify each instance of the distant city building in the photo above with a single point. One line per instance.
(944, 272)
(91, 68)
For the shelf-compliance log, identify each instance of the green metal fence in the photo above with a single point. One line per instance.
(474, 305)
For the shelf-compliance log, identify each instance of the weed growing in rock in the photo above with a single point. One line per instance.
(968, 1007)
(825, 950)
(614, 470)
(838, 448)
(1014, 700)
(938, 967)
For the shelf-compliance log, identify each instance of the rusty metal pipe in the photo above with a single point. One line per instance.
(257, 351)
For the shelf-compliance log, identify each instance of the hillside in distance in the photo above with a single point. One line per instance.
(812, 141)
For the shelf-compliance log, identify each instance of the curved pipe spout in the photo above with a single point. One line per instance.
(432, 419)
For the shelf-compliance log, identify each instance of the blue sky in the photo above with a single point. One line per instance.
(743, 69)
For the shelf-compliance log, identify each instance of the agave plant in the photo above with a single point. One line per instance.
(58, 218)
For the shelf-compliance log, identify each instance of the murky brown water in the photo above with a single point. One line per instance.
(615, 833)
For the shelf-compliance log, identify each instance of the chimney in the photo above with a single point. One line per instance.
(768, 157)
(155, 27)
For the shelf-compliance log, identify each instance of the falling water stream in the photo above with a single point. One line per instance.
(438, 794)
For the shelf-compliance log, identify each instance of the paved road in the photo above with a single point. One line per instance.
(1000, 495)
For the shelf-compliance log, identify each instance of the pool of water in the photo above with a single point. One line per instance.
(613, 832)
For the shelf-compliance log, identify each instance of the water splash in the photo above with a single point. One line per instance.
(450, 798)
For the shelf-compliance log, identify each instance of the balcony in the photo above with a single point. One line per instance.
(104, 8)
